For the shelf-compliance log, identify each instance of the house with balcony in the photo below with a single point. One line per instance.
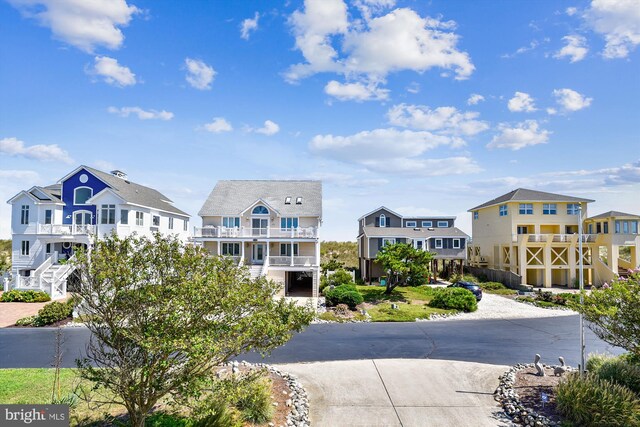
(270, 226)
(436, 234)
(534, 234)
(49, 223)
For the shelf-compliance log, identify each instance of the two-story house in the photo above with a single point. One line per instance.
(270, 226)
(436, 234)
(49, 223)
(535, 235)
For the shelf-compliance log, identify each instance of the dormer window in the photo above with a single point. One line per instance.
(260, 210)
(383, 220)
(298, 200)
(287, 200)
(81, 195)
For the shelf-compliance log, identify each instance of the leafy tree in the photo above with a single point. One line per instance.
(614, 312)
(332, 265)
(345, 253)
(162, 314)
(404, 264)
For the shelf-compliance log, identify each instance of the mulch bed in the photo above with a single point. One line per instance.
(530, 387)
(280, 392)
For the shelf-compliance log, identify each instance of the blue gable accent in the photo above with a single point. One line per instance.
(68, 187)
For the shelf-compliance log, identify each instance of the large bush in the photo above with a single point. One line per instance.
(454, 299)
(593, 402)
(619, 370)
(24, 296)
(340, 277)
(53, 312)
(343, 294)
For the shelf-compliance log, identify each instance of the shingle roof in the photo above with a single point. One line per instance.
(613, 213)
(525, 195)
(413, 233)
(233, 197)
(136, 193)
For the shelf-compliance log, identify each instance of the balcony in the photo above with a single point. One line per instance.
(239, 232)
(556, 238)
(287, 261)
(66, 230)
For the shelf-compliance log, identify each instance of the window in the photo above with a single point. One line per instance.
(590, 228)
(387, 241)
(503, 210)
(438, 243)
(260, 210)
(410, 224)
(523, 229)
(383, 220)
(526, 209)
(81, 195)
(606, 227)
(170, 223)
(549, 209)
(287, 200)
(186, 225)
(139, 218)
(231, 249)
(298, 200)
(598, 227)
(443, 224)
(285, 249)
(231, 222)
(573, 208)
(24, 250)
(47, 216)
(634, 227)
(288, 223)
(475, 215)
(108, 214)
(48, 249)
(427, 224)
(156, 221)
(124, 217)
(456, 243)
(627, 227)
(24, 214)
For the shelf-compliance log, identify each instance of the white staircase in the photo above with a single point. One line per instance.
(255, 271)
(49, 277)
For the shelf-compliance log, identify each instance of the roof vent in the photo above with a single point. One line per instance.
(287, 200)
(298, 200)
(119, 174)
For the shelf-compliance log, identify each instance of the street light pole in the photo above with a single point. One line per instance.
(581, 279)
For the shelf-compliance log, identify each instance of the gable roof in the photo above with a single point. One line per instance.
(232, 197)
(526, 195)
(136, 194)
(613, 214)
(377, 209)
(414, 233)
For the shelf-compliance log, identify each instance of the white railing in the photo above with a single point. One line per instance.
(558, 238)
(65, 229)
(296, 261)
(23, 282)
(222, 232)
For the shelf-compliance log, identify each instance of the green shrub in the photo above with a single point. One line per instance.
(595, 361)
(531, 300)
(254, 401)
(454, 299)
(25, 296)
(53, 312)
(26, 321)
(590, 401)
(491, 286)
(544, 296)
(340, 277)
(457, 277)
(344, 294)
(620, 371)
(565, 297)
(162, 419)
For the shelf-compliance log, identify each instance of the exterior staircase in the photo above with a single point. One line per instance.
(255, 271)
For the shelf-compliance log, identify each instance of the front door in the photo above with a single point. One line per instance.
(258, 253)
(259, 226)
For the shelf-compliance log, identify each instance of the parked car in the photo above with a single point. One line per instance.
(470, 286)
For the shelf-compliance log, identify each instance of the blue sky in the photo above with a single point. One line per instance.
(426, 107)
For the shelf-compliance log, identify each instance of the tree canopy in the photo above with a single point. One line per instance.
(404, 264)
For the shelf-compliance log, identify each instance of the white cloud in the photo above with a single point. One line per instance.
(218, 125)
(426, 167)
(532, 45)
(368, 49)
(576, 48)
(14, 147)
(521, 102)
(475, 99)
(249, 25)
(571, 11)
(355, 91)
(570, 100)
(414, 87)
(269, 128)
(552, 111)
(445, 120)
(619, 22)
(524, 134)
(142, 114)
(112, 72)
(83, 24)
(199, 75)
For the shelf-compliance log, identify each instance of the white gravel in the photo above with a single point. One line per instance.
(498, 307)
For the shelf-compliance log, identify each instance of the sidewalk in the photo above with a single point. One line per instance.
(400, 392)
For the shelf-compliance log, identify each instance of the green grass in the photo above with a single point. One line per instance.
(375, 294)
(331, 316)
(405, 312)
(33, 385)
(500, 291)
(411, 302)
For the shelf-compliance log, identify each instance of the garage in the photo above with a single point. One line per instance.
(299, 283)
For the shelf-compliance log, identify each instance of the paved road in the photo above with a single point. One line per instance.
(496, 341)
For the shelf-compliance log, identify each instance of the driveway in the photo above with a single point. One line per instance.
(400, 392)
(12, 311)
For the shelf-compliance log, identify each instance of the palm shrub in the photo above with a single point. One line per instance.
(454, 299)
(590, 401)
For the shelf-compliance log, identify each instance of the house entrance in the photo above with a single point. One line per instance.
(257, 253)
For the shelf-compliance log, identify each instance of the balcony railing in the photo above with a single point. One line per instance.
(296, 261)
(552, 237)
(223, 232)
(66, 230)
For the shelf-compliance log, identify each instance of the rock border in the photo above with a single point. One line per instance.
(510, 401)
(298, 400)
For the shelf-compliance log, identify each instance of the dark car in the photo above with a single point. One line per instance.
(470, 286)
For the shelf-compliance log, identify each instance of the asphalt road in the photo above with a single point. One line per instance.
(496, 341)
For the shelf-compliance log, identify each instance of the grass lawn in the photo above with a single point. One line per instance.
(331, 316)
(411, 303)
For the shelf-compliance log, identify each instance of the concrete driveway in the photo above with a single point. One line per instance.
(400, 392)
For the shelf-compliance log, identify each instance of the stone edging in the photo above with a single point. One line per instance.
(510, 401)
(298, 400)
